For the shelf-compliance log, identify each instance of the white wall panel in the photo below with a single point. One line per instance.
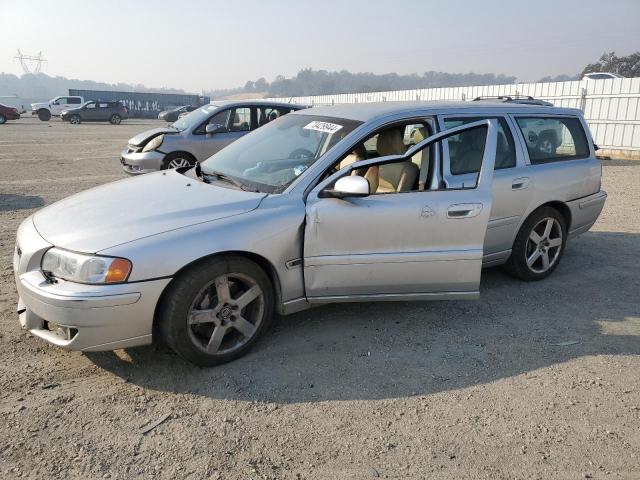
(611, 107)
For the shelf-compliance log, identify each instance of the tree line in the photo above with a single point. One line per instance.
(308, 81)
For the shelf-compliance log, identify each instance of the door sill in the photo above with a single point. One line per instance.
(396, 297)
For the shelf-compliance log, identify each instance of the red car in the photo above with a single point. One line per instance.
(8, 113)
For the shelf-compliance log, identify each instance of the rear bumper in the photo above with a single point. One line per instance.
(585, 211)
(88, 317)
(138, 163)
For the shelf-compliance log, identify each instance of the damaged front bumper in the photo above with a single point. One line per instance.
(138, 163)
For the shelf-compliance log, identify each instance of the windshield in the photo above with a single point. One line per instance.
(273, 156)
(195, 118)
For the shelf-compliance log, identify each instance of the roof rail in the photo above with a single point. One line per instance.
(522, 99)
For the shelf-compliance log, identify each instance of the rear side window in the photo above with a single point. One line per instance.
(553, 139)
(74, 100)
(241, 120)
(467, 148)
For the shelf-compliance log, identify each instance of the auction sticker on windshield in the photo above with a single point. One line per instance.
(324, 127)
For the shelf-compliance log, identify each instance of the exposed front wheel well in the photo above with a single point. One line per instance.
(262, 262)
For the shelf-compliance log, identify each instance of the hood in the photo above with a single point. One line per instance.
(143, 137)
(70, 110)
(138, 207)
(35, 106)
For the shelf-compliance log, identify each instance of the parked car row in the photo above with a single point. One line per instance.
(365, 202)
(112, 112)
(8, 113)
(172, 114)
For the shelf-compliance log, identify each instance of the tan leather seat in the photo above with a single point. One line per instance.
(418, 135)
(390, 142)
(359, 153)
(393, 177)
(397, 177)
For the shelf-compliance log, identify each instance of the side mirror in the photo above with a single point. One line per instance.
(349, 186)
(214, 128)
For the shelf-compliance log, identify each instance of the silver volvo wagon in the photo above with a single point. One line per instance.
(369, 202)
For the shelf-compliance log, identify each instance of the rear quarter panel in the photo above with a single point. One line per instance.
(565, 181)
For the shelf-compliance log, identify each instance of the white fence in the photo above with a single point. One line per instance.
(610, 106)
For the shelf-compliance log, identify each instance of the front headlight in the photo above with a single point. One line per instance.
(82, 268)
(153, 144)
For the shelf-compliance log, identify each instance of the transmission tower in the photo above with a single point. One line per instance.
(27, 60)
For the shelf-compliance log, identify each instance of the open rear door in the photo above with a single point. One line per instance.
(407, 245)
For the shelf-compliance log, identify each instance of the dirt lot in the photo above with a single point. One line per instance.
(441, 390)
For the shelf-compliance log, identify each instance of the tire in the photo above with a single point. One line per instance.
(44, 115)
(533, 244)
(177, 160)
(3, 119)
(115, 119)
(75, 119)
(221, 330)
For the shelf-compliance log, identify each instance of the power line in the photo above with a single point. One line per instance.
(30, 63)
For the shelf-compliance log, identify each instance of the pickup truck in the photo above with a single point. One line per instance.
(55, 106)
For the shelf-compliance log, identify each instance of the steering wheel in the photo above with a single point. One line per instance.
(301, 154)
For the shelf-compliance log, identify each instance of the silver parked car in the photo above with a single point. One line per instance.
(369, 202)
(198, 135)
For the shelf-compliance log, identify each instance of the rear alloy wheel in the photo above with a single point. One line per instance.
(539, 245)
(177, 160)
(75, 119)
(3, 119)
(115, 119)
(215, 311)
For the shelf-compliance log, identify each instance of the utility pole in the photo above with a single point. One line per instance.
(26, 59)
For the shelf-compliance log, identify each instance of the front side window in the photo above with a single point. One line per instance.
(553, 139)
(220, 118)
(467, 148)
(394, 177)
(273, 156)
(61, 101)
(90, 105)
(197, 117)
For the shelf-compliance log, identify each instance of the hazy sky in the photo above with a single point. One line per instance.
(215, 44)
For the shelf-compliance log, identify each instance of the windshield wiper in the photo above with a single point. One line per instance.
(228, 179)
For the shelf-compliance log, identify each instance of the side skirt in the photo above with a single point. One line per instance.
(395, 297)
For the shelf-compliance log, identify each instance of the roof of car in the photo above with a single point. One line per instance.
(239, 103)
(365, 112)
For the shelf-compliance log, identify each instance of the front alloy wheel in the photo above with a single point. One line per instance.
(75, 119)
(178, 162)
(226, 314)
(215, 311)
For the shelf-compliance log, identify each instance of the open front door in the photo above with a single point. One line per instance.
(402, 245)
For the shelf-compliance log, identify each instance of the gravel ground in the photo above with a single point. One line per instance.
(441, 390)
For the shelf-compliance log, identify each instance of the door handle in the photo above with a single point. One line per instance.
(464, 210)
(520, 183)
